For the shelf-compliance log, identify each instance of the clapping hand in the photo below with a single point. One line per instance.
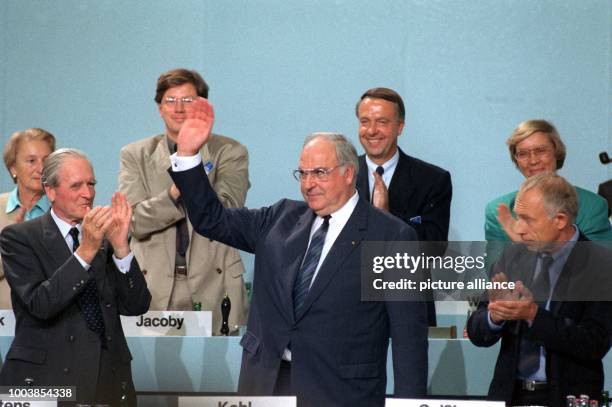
(380, 196)
(95, 224)
(507, 222)
(117, 233)
(516, 304)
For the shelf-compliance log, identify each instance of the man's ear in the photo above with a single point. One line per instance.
(400, 128)
(561, 220)
(349, 174)
(50, 192)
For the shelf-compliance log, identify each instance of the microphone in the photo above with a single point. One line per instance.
(604, 158)
(226, 306)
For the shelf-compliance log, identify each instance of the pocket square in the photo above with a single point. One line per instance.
(416, 220)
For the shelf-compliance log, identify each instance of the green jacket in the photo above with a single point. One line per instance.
(592, 217)
(592, 220)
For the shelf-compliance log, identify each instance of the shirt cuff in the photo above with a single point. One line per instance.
(85, 265)
(184, 163)
(492, 325)
(123, 265)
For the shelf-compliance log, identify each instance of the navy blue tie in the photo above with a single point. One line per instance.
(529, 360)
(88, 300)
(311, 260)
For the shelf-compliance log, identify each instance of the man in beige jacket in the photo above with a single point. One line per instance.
(183, 268)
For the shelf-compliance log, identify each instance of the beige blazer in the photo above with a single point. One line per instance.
(5, 220)
(213, 268)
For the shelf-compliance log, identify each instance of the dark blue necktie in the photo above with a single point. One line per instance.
(88, 300)
(311, 260)
(529, 360)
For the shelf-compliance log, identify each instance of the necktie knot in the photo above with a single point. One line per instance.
(547, 260)
(326, 219)
(380, 170)
(74, 234)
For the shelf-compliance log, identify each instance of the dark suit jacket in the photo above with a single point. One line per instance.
(575, 334)
(416, 189)
(338, 342)
(52, 344)
(605, 190)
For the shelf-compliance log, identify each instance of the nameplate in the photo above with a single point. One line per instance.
(7, 322)
(169, 323)
(442, 403)
(219, 401)
(8, 401)
(442, 332)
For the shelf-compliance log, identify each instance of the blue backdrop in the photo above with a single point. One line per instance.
(469, 71)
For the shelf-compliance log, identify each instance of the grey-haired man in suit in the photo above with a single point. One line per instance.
(72, 274)
(309, 333)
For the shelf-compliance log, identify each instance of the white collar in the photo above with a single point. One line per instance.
(392, 162)
(63, 226)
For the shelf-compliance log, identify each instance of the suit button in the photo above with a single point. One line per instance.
(71, 338)
(74, 288)
(78, 284)
(219, 270)
(144, 272)
(66, 370)
(108, 339)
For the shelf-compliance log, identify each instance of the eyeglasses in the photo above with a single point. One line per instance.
(539, 152)
(320, 174)
(171, 100)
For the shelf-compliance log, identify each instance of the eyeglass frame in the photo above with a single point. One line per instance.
(539, 152)
(319, 173)
(173, 101)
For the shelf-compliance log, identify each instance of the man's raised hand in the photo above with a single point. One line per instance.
(196, 129)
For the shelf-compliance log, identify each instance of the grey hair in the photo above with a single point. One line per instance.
(558, 194)
(345, 151)
(54, 162)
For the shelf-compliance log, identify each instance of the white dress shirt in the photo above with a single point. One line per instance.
(123, 265)
(389, 168)
(336, 224)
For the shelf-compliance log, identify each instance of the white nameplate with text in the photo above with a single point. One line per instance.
(7, 322)
(169, 323)
(220, 401)
(8, 401)
(442, 403)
